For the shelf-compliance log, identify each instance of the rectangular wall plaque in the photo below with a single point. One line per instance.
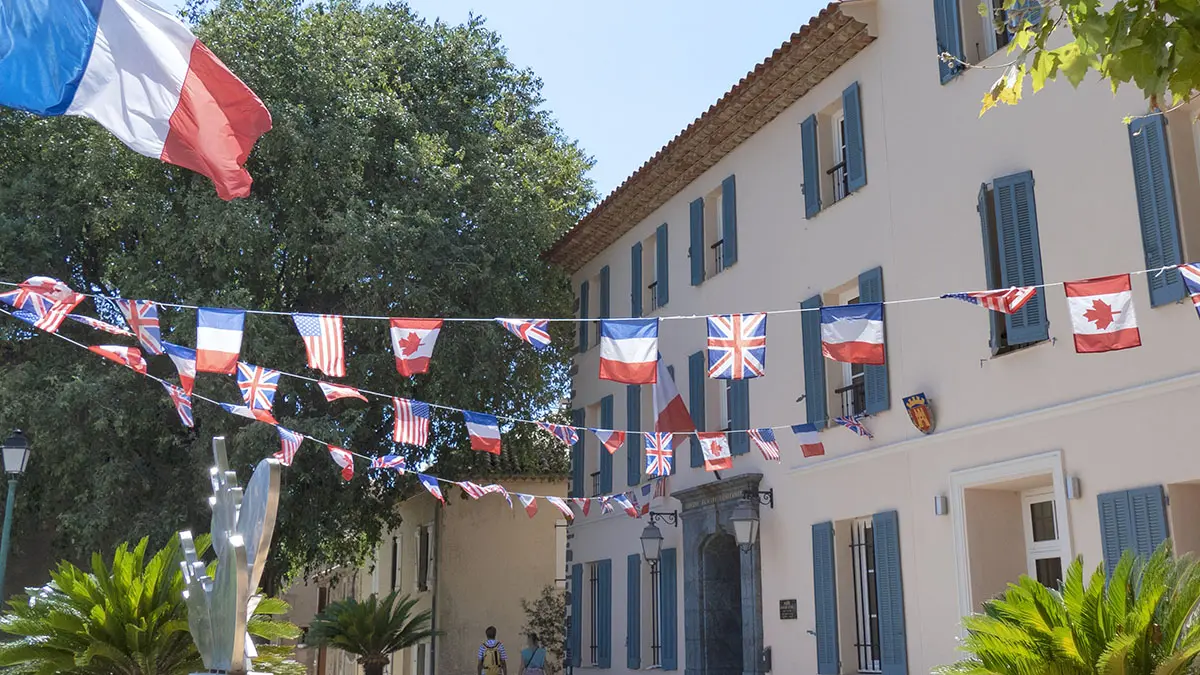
(787, 609)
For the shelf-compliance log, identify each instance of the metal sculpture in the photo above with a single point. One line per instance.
(242, 525)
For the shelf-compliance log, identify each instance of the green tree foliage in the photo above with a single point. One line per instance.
(1153, 44)
(372, 630)
(544, 618)
(1141, 621)
(123, 618)
(412, 171)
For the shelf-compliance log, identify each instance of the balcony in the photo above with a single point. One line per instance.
(854, 397)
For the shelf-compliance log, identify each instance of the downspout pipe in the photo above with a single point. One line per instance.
(437, 581)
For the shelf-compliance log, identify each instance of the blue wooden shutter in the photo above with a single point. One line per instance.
(633, 612)
(1113, 509)
(604, 613)
(606, 458)
(577, 455)
(583, 315)
(668, 608)
(635, 280)
(875, 378)
(1134, 520)
(739, 415)
(575, 637)
(729, 249)
(990, 252)
(605, 293)
(856, 156)
(1156, 207)
(814, 363)
(825, 599)
(697, 373)
(812, 166)
(696, 250)
(1020, 255)
(889, 588)
(949, 35)
(633, 443)
(661, 276)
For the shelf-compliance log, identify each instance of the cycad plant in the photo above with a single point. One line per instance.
(372, 629)
(1139, 621)
(127, 618)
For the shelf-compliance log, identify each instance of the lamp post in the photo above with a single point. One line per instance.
(745, 525)
(16, 455)
(652, 540)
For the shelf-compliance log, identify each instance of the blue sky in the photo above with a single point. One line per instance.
(624, 76)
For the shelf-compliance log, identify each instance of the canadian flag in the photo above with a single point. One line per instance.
(412, 341)
(1102, 316)
(715, 447)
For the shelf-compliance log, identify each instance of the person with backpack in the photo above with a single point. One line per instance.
(492, 659)
(533, 658)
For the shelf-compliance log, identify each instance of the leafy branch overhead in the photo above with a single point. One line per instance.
(1152, 44)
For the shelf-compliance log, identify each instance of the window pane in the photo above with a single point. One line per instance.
(1041, 514)
(1049, 571)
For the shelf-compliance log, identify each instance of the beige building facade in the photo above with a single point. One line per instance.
(852, 166)
(470, 562)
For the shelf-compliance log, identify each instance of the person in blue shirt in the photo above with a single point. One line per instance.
(533, 657)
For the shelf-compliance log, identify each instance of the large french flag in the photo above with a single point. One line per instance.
(484, 431)
(853, 333)
(670, 412)
(140, 73)
(628, 348)
(218, 340)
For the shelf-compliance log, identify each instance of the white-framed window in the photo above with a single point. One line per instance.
(424, 562)
(1043, 546)
(866, 600)
(649, 274)
(714, 233)
(594, 306)
(716, 404)
(591, 458)
(838, 169)
(592, 612)
(422, 664)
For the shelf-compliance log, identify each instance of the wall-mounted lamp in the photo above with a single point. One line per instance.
(1074, 489)
(671, 518)
(941, 505)
(763, 497)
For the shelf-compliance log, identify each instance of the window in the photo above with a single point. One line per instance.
(1012, 257)
(832, 152)
(717, 402)
(651, 618)
(395, 579)
(969, 34)
(646, 261)
(857, 593)
(852, 392)
(1043, 549)
(424, 557)
(422, 664)
(593, 609)
(592, 459)
(713, 231)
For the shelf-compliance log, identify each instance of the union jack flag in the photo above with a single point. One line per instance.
(765, 440)
(605, 505)
(389, 462)
(565, 434)
(854, 424)
(183, 403)
(1191, 279)
(1004, 300)
(659, 454)
(40, 311)
(100, 325)
(258, 385)
(290, 442)
(534, 331)
(737, 346)
(142, 317)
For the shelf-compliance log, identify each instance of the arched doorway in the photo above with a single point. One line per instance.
(721, 604)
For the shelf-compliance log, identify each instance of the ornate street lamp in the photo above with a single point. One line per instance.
(652, 540)
(745, 525)
(16, 456)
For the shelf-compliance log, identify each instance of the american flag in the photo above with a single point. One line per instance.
(1006, 300)
(473, 490)
(411, 421)
(499, 490)
(659, 454)
(183, 403)
(737, 346)
(290, 442)
(258, 385)
(1191, 279)
(534, 331)
(40, 311)
(389, 462)
(854, 424)
(322, 335)
(660, 488)
(100, 325)
(765, 440)
(335, 391)
(565, 434)
(142, 317)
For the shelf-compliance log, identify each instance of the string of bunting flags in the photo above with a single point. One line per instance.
(1103, 319)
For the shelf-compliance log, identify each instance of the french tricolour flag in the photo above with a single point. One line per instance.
(141, 74)
(484, 431)
(218, 340)
(810, 439)
(853, 333)
(629, 350)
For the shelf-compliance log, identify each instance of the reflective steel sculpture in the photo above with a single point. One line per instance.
(242, 524)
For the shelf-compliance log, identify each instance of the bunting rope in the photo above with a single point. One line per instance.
(677, 317)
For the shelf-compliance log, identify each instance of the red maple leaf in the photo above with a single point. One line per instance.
(410, 344)
(1100, 314)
